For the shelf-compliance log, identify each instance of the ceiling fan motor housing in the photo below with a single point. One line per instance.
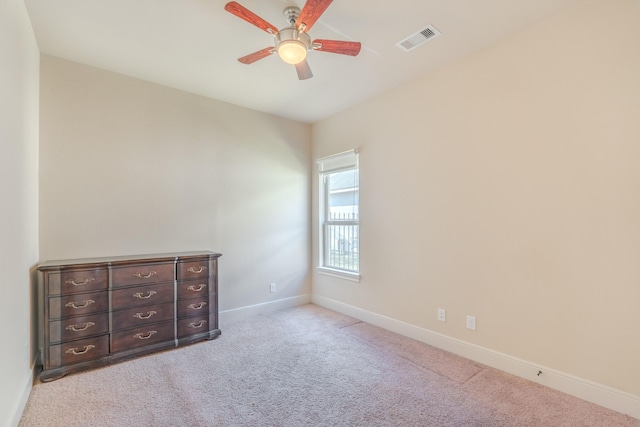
(291, 14)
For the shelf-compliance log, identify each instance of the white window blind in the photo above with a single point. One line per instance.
(347, 159)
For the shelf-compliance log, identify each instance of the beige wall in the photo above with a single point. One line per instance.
(130, 167)
(19, 58)
(506, 186)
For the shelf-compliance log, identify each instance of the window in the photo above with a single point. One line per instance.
(339, 215)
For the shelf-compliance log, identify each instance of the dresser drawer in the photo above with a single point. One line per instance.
(141, 295)
(193, 269)
(78, 327)
(78, 304)
(193, 289)
(195, 325)
(194, 307)
(142, 336)
(142, 273)
(72, 281)
(78, 351)
(140, 316)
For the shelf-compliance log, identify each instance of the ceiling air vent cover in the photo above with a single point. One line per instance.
(416, 39)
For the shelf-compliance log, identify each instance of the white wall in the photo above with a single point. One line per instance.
(506, 186)
(130, 167)
(19, 58)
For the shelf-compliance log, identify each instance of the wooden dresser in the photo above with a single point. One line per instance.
(98, 311)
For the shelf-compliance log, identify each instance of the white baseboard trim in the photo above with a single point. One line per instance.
(14, 420)
(599, 394)
(265, 307)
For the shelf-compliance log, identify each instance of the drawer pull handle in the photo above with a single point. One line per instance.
(145, 276)
(197, 306)
(197, 325)
(141, 296)
(85, 304)
(194, 288)
(76, 328)
(143, 316)
(77, 352)
(84, 282)
(196, 270)
(146, 336)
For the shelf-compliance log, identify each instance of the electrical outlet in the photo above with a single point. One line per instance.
(273, 287)
(442, 314)
(471, 323)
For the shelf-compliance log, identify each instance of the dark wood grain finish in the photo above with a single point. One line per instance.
(139, 296)
(97, 311)
(142, 336)
(78, 304)
(74, 328)
(74, 281)
(339, 46)
(141, 316)
(256, 56)
(193, 289)
(245, 14)
(310, 13)
(79, 351)
(197, 304)
(195, 307)
(193, 269)
(194, 325)
(142, 274)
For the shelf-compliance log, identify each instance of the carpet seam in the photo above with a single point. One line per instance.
(373, 344)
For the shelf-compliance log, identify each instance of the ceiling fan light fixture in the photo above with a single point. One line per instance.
(292, 51)
(293, 42)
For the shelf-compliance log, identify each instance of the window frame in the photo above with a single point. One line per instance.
(329, 165)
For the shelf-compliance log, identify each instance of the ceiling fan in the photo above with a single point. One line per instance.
(293, 42)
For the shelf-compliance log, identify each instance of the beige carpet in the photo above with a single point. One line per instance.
(306, 366)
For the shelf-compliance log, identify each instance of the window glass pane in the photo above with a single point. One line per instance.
(341, 227)
(343, 195)
(342, 247)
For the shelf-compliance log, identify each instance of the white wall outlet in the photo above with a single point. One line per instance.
(442, 314)
(471, 323)
(273, 288)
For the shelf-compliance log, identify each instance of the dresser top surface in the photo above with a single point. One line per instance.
(126, 258)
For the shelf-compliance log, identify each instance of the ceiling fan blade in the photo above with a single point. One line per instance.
(311, 12)
(338, 46)
(256, 56)
(244, 13)
(303, 70)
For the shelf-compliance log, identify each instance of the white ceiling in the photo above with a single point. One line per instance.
(193, 45)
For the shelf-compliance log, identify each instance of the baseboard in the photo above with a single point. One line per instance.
(265, 307)
(599, 394)
(14, 419)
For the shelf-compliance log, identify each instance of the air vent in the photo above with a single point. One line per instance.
(419, 38)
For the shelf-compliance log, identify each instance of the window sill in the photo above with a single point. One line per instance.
(341, 274)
